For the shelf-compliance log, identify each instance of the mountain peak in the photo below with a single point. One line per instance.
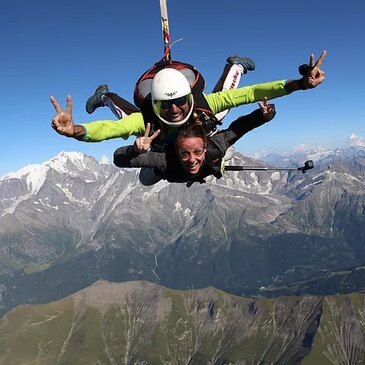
(63, 161)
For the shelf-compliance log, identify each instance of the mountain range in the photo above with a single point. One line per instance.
(72, 221)
(138, 322)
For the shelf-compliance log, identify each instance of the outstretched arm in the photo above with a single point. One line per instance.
(244, 124)
(96, 131)
(246, 95)
(247, 123)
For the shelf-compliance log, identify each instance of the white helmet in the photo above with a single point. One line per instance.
(171, 86)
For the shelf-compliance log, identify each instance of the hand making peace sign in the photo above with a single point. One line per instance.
(143, 144)
(62, 122)
(268, 110)
(315, 76)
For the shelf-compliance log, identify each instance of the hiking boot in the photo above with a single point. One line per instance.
(245, 62)
(96, 101)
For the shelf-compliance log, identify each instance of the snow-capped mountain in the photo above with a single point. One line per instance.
(73, 220)
(27, 182)
(318, 155)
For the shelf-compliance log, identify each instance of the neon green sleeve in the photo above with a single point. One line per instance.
(101, 130)
(228, 99)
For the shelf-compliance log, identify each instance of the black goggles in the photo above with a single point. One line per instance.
(167, 104)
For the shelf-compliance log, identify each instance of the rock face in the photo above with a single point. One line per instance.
(144, 323)
(72, 221)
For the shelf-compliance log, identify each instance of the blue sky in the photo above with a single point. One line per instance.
(70, 47)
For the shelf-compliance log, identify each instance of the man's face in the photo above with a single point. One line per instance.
(175, 110)
(192, 153)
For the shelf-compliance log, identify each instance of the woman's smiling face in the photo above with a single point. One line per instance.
(191, 152)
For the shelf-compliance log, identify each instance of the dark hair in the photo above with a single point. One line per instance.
(191, 131)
